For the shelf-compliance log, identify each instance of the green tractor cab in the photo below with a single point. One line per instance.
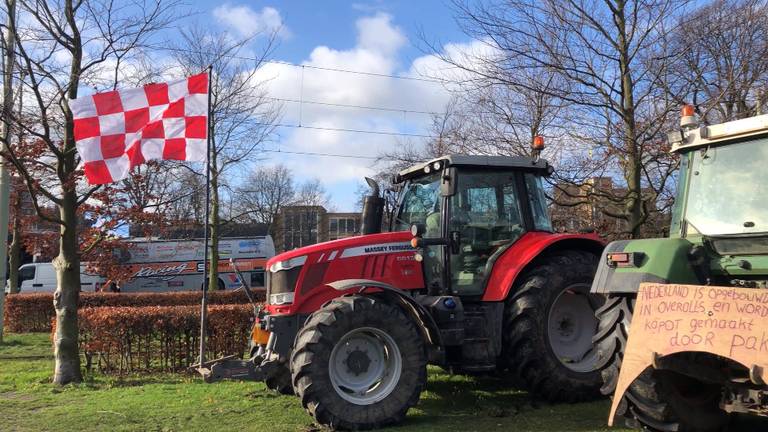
(718, 237)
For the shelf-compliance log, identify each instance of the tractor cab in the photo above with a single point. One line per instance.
(722, 181)
(465, 211)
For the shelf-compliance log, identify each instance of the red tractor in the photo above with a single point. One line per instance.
(471, 278)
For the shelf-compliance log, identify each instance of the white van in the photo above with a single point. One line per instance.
(41, 277)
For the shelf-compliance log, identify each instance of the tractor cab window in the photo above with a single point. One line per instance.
(726, 192)
(538, 202)
(421, 205)
(485, 212)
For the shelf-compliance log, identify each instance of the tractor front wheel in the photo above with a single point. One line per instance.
(358, 363)
(548, 328)
(278, 376)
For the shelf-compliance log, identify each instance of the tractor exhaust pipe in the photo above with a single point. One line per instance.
(373, 209)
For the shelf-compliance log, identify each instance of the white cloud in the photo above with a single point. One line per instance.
(378, 34)
(247, 22)
(378, 49)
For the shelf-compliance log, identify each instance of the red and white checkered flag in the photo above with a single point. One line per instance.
(118, 130)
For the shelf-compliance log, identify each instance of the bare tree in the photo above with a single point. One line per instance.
(69, 45)
(608, 62)
(724, 67)
(312, 193)
(242, 117)
(265, 191)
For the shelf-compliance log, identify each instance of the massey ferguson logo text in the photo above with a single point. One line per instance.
(376, 249)
(390, 248)
(161, 271)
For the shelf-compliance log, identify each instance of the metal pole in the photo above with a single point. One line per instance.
(5, 186)
(204, 301)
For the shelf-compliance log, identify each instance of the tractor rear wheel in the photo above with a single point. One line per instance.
(661, 401)
(359, 363)
(548, 328)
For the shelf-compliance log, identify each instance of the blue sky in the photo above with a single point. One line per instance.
(372, 36)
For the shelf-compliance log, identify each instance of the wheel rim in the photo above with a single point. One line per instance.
(365, 366)
(572, 324)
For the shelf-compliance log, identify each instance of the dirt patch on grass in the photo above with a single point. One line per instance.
(15, 396)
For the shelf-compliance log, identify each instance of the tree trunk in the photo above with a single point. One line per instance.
(14, 253)
(5, 180)
(67, 265)
(632, 171)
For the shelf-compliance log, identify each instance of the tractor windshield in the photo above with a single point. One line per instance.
(727, 192)
(421, 205)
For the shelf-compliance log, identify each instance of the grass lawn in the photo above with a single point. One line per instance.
(165, 402)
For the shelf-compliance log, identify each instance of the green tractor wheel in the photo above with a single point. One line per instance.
(658, 400)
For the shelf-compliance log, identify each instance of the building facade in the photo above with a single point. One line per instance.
(299, 226)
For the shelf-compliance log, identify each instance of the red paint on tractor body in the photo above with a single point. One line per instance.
(508, 266)
(385, 257)
(389, 258)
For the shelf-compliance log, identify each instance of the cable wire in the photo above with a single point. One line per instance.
(323, 68)
(341, 105)
(302, 153)
(362, 131)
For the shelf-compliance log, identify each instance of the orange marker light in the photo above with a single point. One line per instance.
(688, 110)
(415, 242)
(538, 142)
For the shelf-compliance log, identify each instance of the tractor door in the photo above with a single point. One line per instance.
(422, 204)
(486, 216)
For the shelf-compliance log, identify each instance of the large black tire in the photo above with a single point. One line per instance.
(278, 376)
(657, 400)
(527, 351)
(311, 361)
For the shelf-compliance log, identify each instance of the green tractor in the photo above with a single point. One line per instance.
(718, 238)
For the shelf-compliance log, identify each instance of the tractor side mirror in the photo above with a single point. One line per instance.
(448, 182)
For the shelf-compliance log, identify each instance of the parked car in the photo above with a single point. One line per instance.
(41, 277)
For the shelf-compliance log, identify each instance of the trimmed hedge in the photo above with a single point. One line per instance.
(159, 338)
(34, 312)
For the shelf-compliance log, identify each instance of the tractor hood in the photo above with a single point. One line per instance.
(347, 247)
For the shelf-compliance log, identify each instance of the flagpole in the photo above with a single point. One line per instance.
(204, 301)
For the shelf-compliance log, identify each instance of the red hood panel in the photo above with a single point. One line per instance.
(345, 246)
(385, 257)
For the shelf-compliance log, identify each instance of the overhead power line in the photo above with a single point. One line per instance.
(362, 131)
(302, 153)
(302, 66)
(341, 105)
(330, 69)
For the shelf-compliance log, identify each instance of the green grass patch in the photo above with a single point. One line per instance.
(172, 402)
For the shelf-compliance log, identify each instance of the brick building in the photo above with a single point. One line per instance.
(297, 226)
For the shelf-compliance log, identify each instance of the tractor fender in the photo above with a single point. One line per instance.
(664, 260)
(516, 259)
(420, 315)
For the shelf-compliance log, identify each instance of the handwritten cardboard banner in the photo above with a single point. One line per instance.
(668, 319)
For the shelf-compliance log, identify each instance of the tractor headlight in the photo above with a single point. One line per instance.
(282, 278)
(281, 299)
(288, 264)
